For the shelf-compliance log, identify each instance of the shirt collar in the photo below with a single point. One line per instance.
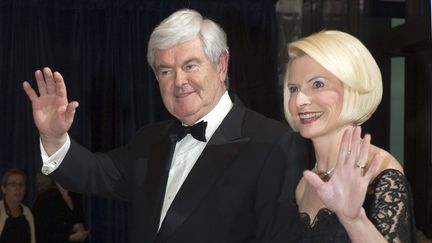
(215, 117)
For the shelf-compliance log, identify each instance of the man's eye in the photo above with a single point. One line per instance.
(163, 73)
(190, 67)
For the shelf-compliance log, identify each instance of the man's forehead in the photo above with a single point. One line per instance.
(179, 54)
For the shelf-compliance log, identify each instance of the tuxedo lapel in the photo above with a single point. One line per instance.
(160, 162)
(219, 153)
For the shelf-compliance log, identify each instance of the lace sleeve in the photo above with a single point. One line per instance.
(388, 205)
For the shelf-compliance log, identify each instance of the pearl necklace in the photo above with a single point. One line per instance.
(324, 175)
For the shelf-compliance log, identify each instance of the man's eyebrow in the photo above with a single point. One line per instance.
(161, 66)
(191, 60)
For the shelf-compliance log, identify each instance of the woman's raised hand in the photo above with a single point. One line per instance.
(346, 190)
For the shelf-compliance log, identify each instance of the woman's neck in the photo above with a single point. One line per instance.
(327, 149)
(13, 208)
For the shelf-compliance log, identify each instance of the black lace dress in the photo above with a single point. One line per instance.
(388, 205)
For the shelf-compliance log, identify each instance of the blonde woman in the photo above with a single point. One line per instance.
(356, 192)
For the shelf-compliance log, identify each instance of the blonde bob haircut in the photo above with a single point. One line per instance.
(349, 60)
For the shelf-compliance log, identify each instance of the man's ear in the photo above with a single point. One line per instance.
(222, 66)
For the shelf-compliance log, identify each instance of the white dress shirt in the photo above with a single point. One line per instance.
(185, 155)
(50, 163)
(188, 150)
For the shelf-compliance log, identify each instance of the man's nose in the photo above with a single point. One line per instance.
(180, 78)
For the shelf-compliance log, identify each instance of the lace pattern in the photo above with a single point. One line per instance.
(388, 205)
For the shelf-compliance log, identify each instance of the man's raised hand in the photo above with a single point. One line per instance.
(52, 112)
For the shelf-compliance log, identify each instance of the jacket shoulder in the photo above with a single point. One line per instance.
(154, 130)
(258, 124)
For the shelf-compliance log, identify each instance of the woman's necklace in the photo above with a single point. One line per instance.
(324, 175)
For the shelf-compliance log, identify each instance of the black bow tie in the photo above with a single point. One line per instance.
(197, 131)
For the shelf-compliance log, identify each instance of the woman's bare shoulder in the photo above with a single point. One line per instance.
(387, 161)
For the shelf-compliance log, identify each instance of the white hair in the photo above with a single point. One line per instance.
(184, 25)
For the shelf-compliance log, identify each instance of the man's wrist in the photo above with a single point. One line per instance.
(52, 144)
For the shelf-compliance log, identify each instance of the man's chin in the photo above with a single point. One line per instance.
(189, 117)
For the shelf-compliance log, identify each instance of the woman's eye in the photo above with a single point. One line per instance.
(318, 84)
(293, 89)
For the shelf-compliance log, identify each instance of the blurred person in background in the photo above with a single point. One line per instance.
(58, 213)
(16, 219)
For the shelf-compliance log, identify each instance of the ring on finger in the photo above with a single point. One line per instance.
(360, 166)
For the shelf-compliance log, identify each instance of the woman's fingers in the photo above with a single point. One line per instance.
(313, 179)
(355, 141)
(344, 151)
(373, 167)
(364, 153)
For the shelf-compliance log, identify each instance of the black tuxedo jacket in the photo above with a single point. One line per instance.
(234, 192)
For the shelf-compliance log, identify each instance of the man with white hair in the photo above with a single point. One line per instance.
(218, 172)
